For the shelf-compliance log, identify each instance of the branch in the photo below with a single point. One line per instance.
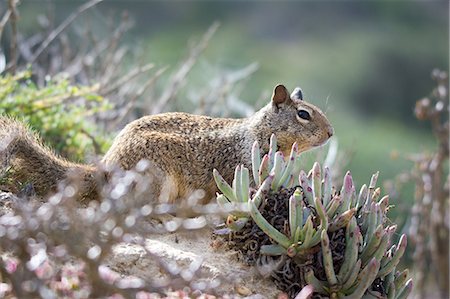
(3, 21)
(126, 78)
(108, 66)
(54, 34)
(177, 79)
(12, 5)
(126, 109)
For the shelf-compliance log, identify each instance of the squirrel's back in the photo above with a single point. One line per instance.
(182, 147)
(181, 123)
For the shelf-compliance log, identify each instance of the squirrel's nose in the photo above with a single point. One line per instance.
(330, 131)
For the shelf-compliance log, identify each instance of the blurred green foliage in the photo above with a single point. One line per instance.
(59, 111)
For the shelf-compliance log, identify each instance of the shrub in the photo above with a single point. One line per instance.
(60, 111)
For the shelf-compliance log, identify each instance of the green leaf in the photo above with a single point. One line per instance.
(223, 186)
(328, 260)
(317, 181)
(272, 250)
(245, 183)
(256, 162)
(267, 228)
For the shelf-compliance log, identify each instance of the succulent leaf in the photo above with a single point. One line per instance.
(306, 292)
(237, 183)
(266, 227)
(223, 186)
(245, 183)
(388, 279)
(222, 201)
(372, 185)
(353, 198)
(318, 285)
(346, 192)
(295, 171)
(384, 203)
(328, 259)
(400, 280)
(277, 170)
(273, 249)
(406, 291)
(262, 190)
(314, 240)
(372, 245)
(295, 213)
(327, 186)
(321, 212)
(333, 206)
(376, 194)
(233, 208)
(388, 256)
(400, 250)
(317, 181)
(365, 279)
(234, 223)
(287, 173)
(352, 275)
(300, 206)
(362, 196)
(308, 233)
(263, 169)
(391, 292)
(342, 220)
(256, 162)
(272, 150)
(381, 250)
(371, 222)
(298, 235)
(307, 188)
(351, 250)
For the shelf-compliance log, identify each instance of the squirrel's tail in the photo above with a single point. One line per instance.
(33, 162)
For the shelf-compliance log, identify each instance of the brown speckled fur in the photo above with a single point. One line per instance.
(33, 162)
(180, 146)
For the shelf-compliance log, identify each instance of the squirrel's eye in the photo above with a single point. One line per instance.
(303, 114)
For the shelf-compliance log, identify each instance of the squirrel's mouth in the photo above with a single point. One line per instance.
(323, 141)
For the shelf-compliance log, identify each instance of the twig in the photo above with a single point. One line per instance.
(97, 147)
(12, 7)
(3, 21)
(222, 90)
(113, 44)
(139, 93)
(78, 63)
(126, 78)
(429, 228)
(115, 65)
(177, 79)
(51, 37)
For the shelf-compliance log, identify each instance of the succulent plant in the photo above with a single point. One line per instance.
(269, 173)
(347, 236)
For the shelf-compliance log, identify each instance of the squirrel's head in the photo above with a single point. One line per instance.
(294, 120)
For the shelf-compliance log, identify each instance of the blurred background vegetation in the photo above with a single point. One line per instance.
(364, 63)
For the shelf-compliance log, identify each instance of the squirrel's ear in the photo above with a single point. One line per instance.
(280, 95)
(297, 94)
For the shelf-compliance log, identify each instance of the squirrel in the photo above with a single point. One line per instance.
(183, 149)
